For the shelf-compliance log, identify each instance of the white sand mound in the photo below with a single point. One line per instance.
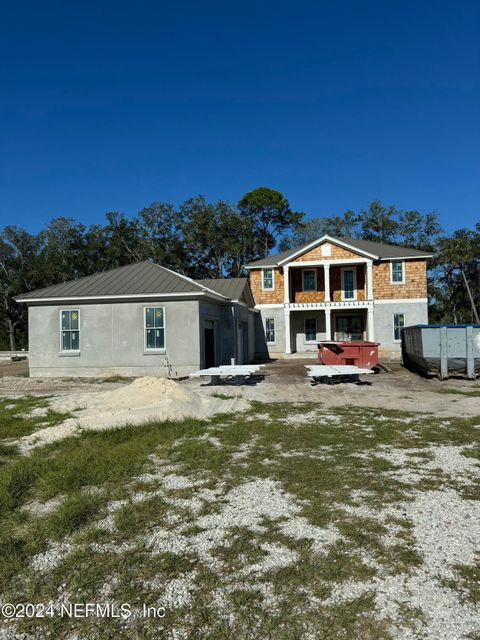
(143, 400)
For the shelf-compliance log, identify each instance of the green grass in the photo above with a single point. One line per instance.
(467, 582)
(15, 421)
(324, 465)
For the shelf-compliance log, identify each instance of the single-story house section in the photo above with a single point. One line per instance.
(140, 319)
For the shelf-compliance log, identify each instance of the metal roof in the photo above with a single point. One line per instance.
(137, 279)
(385, 250)
(377, 249)
(232, 288)
(141, 279)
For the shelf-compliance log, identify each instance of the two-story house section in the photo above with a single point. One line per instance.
(337, 289)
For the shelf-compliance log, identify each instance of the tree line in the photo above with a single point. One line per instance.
(215, 240)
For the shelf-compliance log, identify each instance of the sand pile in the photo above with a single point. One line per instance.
(143, 400)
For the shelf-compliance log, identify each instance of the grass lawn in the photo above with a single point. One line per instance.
(285, 522)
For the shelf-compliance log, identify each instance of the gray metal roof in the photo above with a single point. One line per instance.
(134, 279)
(385, 250)
(232, 288)
(377, 249)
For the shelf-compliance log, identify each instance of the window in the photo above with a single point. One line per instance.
(349, 284)
(309, 279)
(155, 328)
(310, 330)
(270, 330)
(267, 279)
(70, 327)
(397, 272)
(398, 324)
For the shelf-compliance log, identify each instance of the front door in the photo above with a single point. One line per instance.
(209, 344)
(349, 328)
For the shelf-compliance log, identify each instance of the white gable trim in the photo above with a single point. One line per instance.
(327, 238)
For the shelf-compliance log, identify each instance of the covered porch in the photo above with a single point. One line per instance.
(307, 324)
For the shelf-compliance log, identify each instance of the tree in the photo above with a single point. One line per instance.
(20, 271)
(63, 251)
(161, 236)
(417, 230)
(122, 239)
(240, 245)
(218, 239)
(270, 215)
(378, 223)
(459, 254)
(310, 230)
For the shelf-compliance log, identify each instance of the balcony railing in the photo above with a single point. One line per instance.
(363, 304)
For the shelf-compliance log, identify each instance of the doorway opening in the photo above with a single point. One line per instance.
(349, 328)
(209, 344)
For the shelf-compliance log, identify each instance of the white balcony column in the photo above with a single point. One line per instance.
(326, 273)
(288, 338)
(369, 280)
(370, 325)
(328, 324)
(286, 284)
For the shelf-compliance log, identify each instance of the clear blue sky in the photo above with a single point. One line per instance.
(108, 106)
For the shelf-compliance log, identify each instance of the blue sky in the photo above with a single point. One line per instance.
(109, 106)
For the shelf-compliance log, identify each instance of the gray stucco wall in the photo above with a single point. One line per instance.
(415, 313)
(112, 340)
(263, 350)
(221, 316)
(297, 327)
(297, 330)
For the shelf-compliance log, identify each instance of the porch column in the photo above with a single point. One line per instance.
(369, 280)
(286, 285)
(328, 324)
(326, 273)
(370, 325)
(288, 339)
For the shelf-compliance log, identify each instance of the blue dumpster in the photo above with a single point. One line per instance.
(442, 349)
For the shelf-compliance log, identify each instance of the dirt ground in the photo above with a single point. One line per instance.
(286, 381)
(8, 368)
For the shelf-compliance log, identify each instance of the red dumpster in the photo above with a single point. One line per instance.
(360, 354)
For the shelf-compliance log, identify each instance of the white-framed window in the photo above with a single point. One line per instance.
(154, 328)
(398, 324)
(270, 330)
(309, 279)
(310, 330)
(397, 272)
(349, 283)
(267, 279)
(70, 330)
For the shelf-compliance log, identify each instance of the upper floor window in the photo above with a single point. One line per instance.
(397, 271)
(398, 324)
(267, 279)
(270, 330)
(309, 279)
(349, 284)
(70, 326)
(154, 328)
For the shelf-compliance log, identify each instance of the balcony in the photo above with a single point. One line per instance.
(331, 304)
(348, 285)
